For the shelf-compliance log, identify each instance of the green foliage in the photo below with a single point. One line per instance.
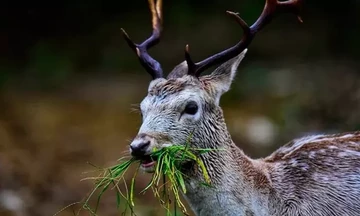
(168, 169)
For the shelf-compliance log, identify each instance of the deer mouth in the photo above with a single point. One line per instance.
(147, 163)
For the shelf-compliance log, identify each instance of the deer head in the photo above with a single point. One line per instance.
(185, 103)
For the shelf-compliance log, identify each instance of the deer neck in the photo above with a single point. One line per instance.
(224, 165)
(234, 177)
(225, 160)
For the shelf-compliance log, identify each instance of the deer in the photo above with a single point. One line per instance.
(308, 176)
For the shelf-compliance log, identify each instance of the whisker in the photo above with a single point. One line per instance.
(135, 106)
(135, 110)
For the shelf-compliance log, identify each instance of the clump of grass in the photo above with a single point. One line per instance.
(169, 161)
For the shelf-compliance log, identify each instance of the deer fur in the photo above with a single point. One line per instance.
(314, 175)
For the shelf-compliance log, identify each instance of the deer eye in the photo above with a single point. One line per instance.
(191, 108)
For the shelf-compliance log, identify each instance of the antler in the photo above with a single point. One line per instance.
(152, 66)
(271, 7)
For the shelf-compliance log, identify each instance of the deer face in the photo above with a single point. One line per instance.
(183, 110)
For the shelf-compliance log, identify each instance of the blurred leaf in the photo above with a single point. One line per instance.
(47, 66)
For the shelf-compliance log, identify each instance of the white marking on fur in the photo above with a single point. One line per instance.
(322, 151)
(312, 154)
(349, 153)
(304, 166)
(346, 136)
(166, 145)
(300, 142)
(293, 162)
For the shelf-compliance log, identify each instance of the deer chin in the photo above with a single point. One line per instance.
(148, 167)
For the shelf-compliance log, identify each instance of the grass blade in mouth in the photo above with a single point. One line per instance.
(168, 167)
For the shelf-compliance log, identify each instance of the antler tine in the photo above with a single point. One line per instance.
(271, 7)
(191, 65)
(152, 66)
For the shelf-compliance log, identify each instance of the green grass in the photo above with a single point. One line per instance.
(167, 179)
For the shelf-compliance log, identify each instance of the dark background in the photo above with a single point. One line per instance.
(68, 82)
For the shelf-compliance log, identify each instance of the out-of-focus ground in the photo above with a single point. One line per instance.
(68, 83)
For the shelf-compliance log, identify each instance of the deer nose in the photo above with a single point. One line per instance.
(139, 146)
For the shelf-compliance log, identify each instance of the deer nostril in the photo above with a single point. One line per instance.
(143, 145)
(139, 147)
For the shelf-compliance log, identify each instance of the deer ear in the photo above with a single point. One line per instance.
(220, 80)
(180, 70)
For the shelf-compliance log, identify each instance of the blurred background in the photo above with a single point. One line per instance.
(68, 82)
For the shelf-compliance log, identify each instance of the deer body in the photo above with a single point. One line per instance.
(315, 175)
